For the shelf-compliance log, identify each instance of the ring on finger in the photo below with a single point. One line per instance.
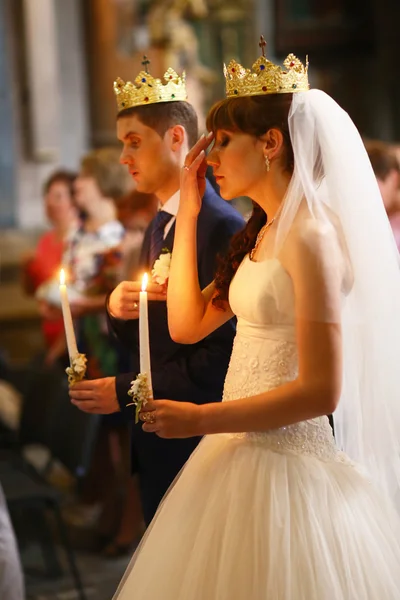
(186, 167)
(148, 417)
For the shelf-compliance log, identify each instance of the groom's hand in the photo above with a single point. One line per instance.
(97, 396)
(124, 300)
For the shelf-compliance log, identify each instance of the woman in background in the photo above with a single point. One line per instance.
(43, 264)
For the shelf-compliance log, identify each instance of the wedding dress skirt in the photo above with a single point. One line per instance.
(277, 515)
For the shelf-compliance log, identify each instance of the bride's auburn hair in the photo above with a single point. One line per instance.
(253, 115)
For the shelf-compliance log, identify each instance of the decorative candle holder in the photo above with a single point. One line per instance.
(140, 392)
(77, 370)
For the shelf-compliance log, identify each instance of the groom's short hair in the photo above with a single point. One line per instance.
(163, 115)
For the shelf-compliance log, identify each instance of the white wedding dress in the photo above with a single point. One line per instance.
(278, 515)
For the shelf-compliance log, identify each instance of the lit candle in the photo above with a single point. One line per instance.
(68, 324)
(144, 344)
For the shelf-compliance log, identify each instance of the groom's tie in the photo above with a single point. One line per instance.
(157, 235)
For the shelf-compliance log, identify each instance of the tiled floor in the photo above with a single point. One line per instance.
(100, 578)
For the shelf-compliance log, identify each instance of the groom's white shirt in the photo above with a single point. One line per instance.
(171, 206)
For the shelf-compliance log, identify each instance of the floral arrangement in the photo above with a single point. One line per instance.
(160, 271)
(76, 372)
(140, 392)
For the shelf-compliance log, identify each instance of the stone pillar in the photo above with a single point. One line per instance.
(73, 97)
(44, 79)
(58, 123)
(7, 142)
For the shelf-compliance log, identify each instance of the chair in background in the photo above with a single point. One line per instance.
(48, 418)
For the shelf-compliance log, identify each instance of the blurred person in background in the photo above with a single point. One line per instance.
(43, 263)
(395, 148)
(93, 256)
(387, 172)
(135, 211)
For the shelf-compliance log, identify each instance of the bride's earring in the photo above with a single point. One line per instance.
(267, 163)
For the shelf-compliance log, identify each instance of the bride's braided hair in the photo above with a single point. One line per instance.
(253, 115)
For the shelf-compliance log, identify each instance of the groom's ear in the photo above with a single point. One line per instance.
(273, 142)
(177, 136)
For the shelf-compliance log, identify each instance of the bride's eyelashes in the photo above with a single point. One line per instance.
(222, 141)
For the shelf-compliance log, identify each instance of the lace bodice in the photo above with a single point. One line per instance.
(264, 355)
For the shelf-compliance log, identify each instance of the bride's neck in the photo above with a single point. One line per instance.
(271, 191)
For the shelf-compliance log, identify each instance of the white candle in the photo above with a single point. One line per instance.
(144, 344)
(68, 324)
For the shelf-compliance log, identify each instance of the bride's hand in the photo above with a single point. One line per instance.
(193, 177)
(171, 419)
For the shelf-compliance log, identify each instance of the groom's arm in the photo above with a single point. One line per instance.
(126, 332)
(216, 246)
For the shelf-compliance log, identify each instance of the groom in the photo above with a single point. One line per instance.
(157, 127)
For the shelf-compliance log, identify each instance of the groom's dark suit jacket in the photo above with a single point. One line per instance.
(193, 373)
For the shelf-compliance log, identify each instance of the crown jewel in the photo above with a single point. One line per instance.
(266, 78)
(148, 90)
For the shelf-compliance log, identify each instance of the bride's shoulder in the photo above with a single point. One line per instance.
(310, 237)
(315, 251)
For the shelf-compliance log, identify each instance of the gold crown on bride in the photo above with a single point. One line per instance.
(265, 77)
(148, 90)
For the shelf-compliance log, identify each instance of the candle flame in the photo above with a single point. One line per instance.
(144, 282)
(62, 277)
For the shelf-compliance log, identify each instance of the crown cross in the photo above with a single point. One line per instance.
(265, 77)
(145, 64)
(262, 44)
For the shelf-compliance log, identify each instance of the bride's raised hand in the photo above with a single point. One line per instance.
(193, 177)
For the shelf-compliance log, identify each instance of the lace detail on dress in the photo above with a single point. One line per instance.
(312, 438)
(259, 365)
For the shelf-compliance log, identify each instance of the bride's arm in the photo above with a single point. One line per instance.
(317, 388)
(191, 314)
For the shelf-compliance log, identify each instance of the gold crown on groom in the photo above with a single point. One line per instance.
(265, 77)
(148, 90)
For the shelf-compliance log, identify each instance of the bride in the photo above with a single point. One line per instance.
(270, 506)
